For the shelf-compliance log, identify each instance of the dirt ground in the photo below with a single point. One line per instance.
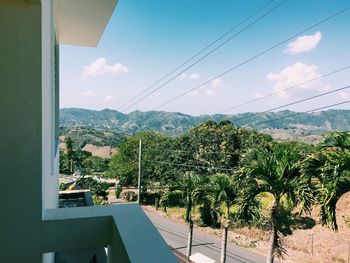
(318, 244)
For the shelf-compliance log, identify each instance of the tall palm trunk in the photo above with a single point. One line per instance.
(224, 245)
(189, 240)
(274, 235)
(190, 226)
(225, 224)
(272, 246)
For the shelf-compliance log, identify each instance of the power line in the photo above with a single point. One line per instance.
(206, 152)
(300, 113)
(293, 103)
(252, 58)
(206, 55)
(285, 89)
(197, 54)
(191, 166)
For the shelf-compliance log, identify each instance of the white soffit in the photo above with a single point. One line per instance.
(82, 22)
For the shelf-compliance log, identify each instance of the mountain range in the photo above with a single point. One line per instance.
(283, 125)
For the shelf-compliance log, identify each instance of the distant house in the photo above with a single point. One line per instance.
(32, 226)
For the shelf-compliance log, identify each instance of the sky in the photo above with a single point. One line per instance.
(145, 40)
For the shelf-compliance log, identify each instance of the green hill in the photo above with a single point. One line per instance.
(306, 126)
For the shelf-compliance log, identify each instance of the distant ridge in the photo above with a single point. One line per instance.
(175, 123)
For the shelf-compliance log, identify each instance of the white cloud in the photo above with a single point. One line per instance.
(216, 83)
(87, 93)
(182, 76)
(343, 95)
(214, 86)
(101, 67)
(109, 98)
(194, 76)
(303, 43)
(294, 75)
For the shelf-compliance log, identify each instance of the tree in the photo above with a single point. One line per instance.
(329, 168)
(215, 145)
(191, 185)
(72, 160)
(124, 164)
(223, 191)
(95, 164)
(276, 171)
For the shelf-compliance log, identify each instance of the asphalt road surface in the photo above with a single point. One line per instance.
(175, 234)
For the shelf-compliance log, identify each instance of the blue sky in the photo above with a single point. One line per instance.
(145, 40)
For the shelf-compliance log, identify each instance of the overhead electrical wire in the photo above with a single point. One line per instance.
(205, 152)
(253, 57)
(285, 89)
(196, 54)
(292, 103)
(191, 166)
(206, 55)
(300, 113)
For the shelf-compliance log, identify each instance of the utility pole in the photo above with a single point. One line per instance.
(139, 178)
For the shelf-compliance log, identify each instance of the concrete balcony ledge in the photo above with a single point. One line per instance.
(125, 229)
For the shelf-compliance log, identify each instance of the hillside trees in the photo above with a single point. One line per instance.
(124, 164)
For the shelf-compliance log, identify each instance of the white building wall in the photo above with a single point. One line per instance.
(50, 154)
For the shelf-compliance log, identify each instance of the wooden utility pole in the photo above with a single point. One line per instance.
(139, 178)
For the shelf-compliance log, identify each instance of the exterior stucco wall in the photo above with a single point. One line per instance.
(49, 106)
(50, 156)
(20, 130)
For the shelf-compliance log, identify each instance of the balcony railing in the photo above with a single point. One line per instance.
(124, 229)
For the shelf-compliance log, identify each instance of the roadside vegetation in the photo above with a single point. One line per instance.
(224, 177)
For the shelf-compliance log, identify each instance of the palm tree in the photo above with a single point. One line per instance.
(276, 171)
(191, 185)
(329, 166)
(223, 191)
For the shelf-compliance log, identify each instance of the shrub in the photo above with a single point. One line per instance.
(205, 214)
(118, 190)
(99, 200)
(171, 198)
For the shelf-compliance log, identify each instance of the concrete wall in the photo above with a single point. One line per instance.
(20, 130)
(49, 106)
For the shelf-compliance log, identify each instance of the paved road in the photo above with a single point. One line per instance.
(175, 234)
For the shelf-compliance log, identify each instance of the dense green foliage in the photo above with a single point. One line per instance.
(276, 170)
(329, 166)
(124, 164)
(71, 160)
(225, 171)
